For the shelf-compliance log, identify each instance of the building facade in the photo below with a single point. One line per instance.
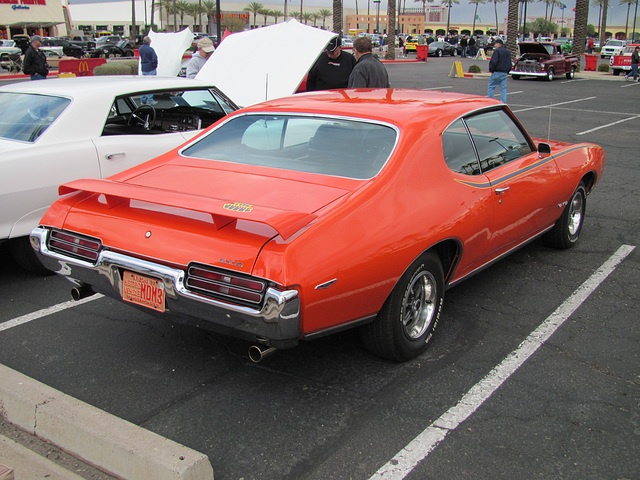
(31, 17)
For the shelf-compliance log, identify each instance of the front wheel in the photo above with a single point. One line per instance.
(571, 73)
(551, 74)
(406, 322)
(566, 231)
(439, 53)
(515, 77)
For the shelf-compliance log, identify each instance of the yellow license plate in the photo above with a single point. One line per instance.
(141, 290)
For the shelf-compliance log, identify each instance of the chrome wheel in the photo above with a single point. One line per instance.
(576, 213)
(419, 305)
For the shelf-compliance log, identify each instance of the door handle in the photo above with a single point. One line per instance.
(500, 191)
(109, 156)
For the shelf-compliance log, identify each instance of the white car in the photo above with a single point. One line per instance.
(58, 130)
(8, 47)
(612, 47)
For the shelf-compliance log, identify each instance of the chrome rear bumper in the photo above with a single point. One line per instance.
(276, 323)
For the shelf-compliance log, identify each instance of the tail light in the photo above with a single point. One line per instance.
(74, 245)
(225, 285)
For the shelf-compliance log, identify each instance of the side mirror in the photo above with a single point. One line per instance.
(544, 150)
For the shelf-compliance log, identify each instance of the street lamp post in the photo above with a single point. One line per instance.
(377, 15)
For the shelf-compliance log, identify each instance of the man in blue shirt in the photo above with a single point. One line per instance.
(499, 66)
(148, 65)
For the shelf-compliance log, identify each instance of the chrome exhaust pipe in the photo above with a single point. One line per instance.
(258, 353)
(82, 291)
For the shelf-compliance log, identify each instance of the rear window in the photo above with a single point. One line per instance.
(329, 146)
(25, 117)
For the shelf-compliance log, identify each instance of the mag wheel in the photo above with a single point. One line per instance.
(408, 318)
(566, 231)
(550, 74)
(572, 72)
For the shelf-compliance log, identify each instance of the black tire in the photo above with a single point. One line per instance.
(616, 72)
(571, 73)
(515, 77)
(566, 231)
(25, 256)
(408, 318)
(439, 53)
(551, 74)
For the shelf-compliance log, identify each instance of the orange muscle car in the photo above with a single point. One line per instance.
(304, 215)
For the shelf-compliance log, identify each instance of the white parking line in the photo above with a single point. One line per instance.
(554, 104)
(46, 311)
(415, 452)
(608, 125)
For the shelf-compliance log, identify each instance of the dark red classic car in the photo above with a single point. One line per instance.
(544, 60)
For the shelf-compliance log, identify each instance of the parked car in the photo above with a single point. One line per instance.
(299, 217)
(65, 47)
(612, 47)
(8, 48)
(622, 62)
(22, 41)
(412, 42)
(438, 49)
(87, 43)
(108, 40)
(544, 60)
(123, 48)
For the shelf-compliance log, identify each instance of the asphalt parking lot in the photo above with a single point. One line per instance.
(489, 399)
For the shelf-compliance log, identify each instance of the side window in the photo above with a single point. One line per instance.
(458, 151)
(497, 139)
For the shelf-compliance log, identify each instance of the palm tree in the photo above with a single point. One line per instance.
(495, 9)
(254, 7)
(306, 17)
(599, 3)
(153, 8)
(296, 15)
(512, 27)
(265, 12)
(276, 14)
(316, 16)
(628, 3)
(209, 9)
(580, 26)
(448, 3)
(475, 13)
(391, 30)
(165, 5)
(193, 9)
(182, 7)
(337, 16)
(325, 13)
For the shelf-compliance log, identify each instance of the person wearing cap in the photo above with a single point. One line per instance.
(499, 66)
(198, 59)
(35, 63)
(332, 69)
(369, 72)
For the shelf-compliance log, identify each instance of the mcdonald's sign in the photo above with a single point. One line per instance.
(83, 69)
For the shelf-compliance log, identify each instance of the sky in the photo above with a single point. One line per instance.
(459, 13)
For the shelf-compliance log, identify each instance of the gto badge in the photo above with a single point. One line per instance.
(238, 207)
(231, 262)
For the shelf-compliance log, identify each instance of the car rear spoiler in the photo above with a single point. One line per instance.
(223, 212)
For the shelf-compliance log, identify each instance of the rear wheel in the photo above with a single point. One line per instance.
(515, 77)
(439, 52)
(408, 318)
(572, 72)
(566, 231)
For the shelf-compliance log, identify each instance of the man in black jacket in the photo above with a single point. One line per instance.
(499, 66)
(369, 72)
(332, 69)
(35, 63)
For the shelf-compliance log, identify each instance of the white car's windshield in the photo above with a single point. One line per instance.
(329, 146)
(25, 117)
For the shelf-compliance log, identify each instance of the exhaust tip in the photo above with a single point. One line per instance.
(83, 291)
(258, 353)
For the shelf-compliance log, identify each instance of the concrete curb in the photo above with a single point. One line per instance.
(111, 444)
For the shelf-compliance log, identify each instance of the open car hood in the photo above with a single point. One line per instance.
(532, 47)
(250, 67)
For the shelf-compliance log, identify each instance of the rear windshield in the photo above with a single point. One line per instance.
(25, 116)
(329, 146)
